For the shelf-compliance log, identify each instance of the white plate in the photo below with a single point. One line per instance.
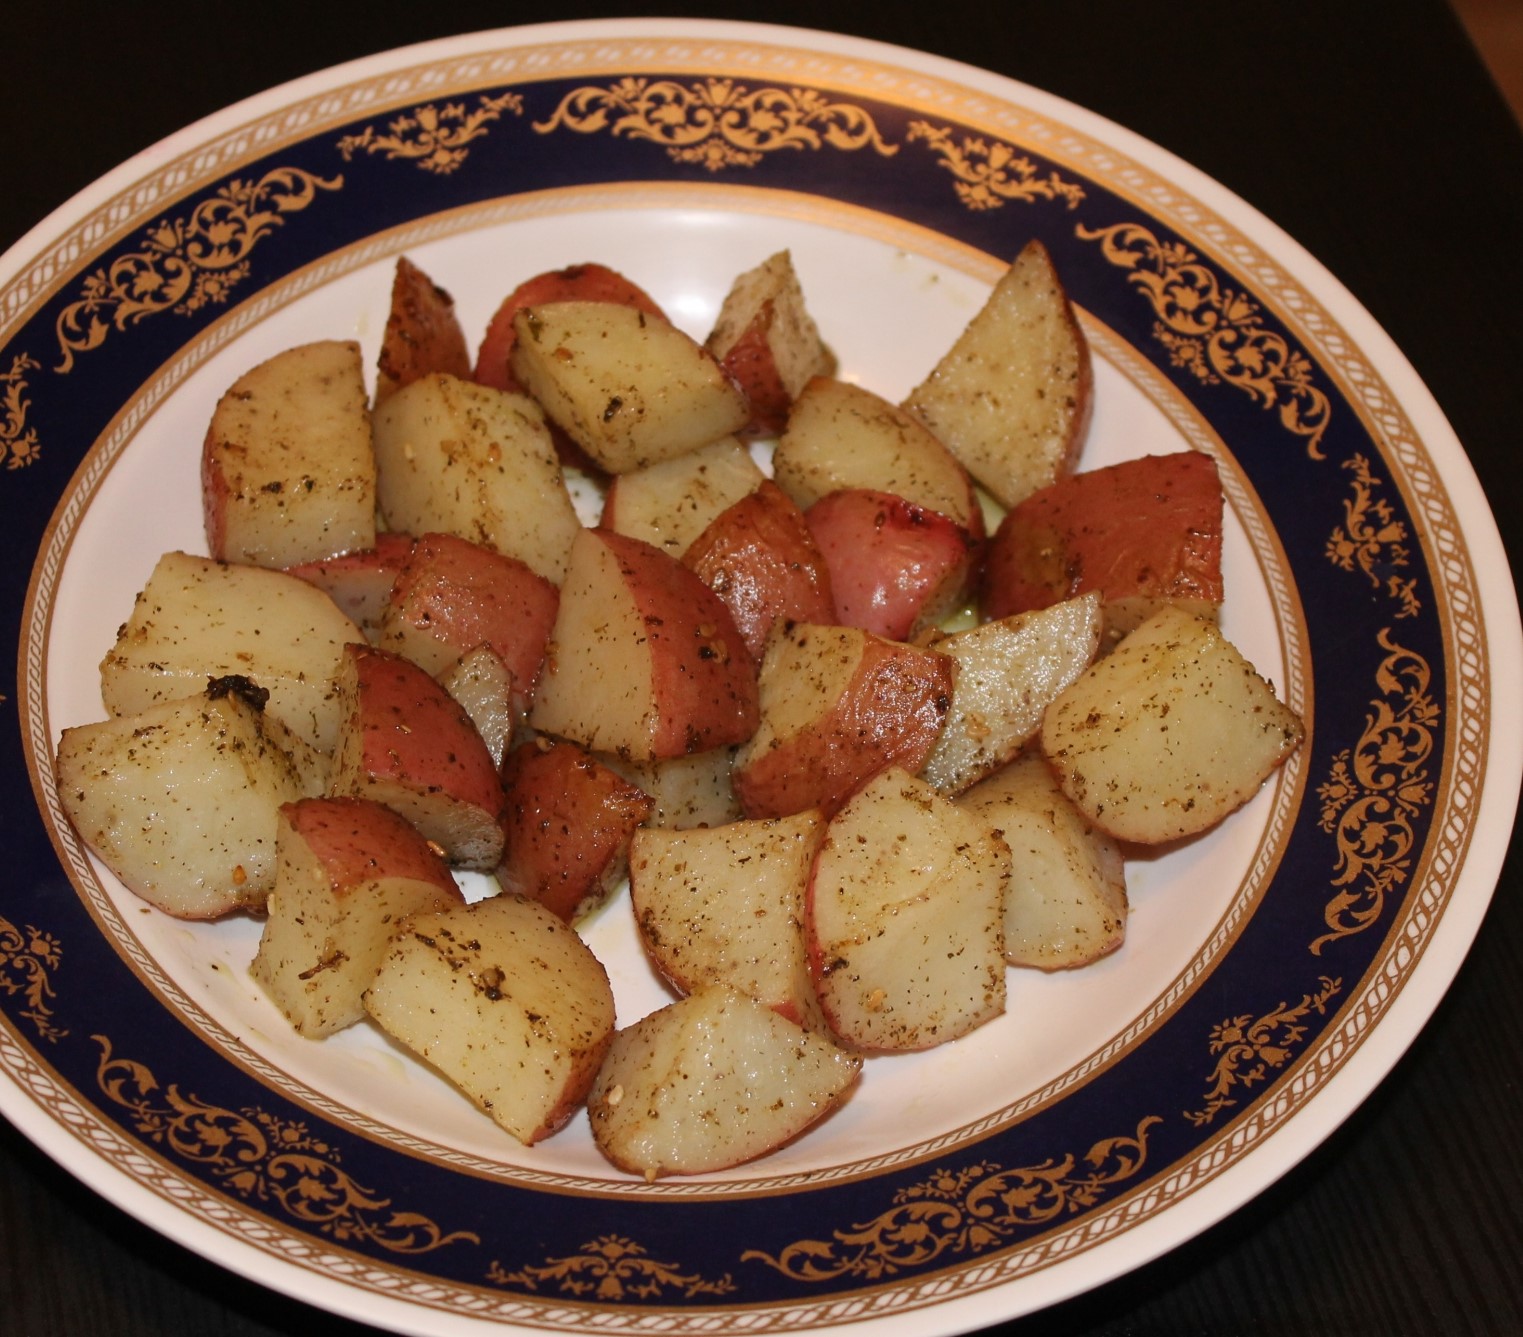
(1058, 1147)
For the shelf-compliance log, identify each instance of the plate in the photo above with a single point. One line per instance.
(1274, 970)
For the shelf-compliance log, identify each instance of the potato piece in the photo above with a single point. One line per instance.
(670, 504)
(710, 1082)
(287, 470)
(628, 389)
(180, 800)
(1168, 733)
(1008, 673)
(644, 660)
(1011, 398)
(422, 333)
(198, 619)
(687, 791)
(568, 827)
(360, 582)
(759, 557)
(766, 339)
(485, 687)
(896, 569)
(838, 705)
(348, 872)
(843, 436)
(461, 458)
(905, 916)
(506, 1001)
(1066, 904)
(1143, 533)
(407, 743)
(726, 906)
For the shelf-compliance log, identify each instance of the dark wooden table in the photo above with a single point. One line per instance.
(1373, 135)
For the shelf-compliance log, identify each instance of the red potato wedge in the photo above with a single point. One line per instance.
(759, 557)
(460, 458)
(1066, 903)
(360, 582)
(1008, 673)
(1143, 534)
(197, 619)
(841, 435)
(712, 1081)
(287, 470)
(765, 338)
(838, 705)
(348, 872)
(905, 918)
(1011, 398)
(422, 334)
(725, 905)
(630, 390)
(688, 791)
(1168, 734)
(574, 283)
(568, 827)
(486, 688)
(180, 800)
(896, 569)
(407, 743)
(506, 1001)
(454, 595)
(670, 504)
(644, 659)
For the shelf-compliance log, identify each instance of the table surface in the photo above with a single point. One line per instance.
(1383, 148)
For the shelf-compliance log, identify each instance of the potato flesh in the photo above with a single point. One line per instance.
(506, 1001)
(668, 505)
(709, 1082)
(198, 619)
(1168, 733)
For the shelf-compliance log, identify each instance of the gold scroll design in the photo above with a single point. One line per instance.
(964, 1212)
(1249, 1049)
(611, 1269)
(432, 137)
(188, 263)
(717, 123)
(19, 445)
(1372, 535)
(27, 960)
(987, 173)
(1216, 333)
(267, 1160)
(1376, 791)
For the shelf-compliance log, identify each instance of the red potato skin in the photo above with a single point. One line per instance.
(1150, 527)
(569, 823)
(415, 734)
(360, 582)
(704, 681)
(467, 595)
(895, 567)
(358, 840)
(751, 365)
(575, 283)
(422, 333)
(759, 557)
(890, 715)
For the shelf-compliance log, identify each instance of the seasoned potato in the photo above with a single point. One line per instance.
(668, 505)
(422, 333)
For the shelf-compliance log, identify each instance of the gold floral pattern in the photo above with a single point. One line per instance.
(1376, 791)
(19, 445)
(611, 1269)
(717, 123)
(1214, 332)
(1249, 1049)
(988, 173)
(1372, 536)
(185, 264)
(26, 961)
(433, 137)
(266, 1160)
(961, 1212)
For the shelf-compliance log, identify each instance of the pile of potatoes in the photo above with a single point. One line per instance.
(839, 821)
